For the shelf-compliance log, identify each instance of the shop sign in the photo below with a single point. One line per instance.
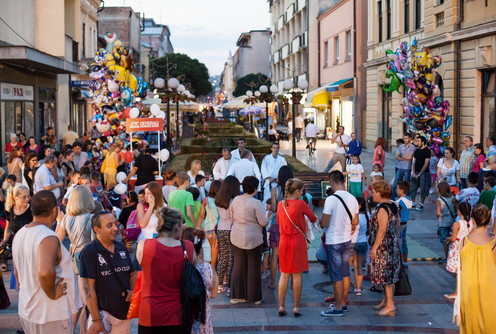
(144, 124)
(80, 83)
(16, 92)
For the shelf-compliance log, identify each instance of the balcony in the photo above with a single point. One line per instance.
(296, 43)
(71, 49)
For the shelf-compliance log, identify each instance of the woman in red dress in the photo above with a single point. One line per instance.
(293, 256)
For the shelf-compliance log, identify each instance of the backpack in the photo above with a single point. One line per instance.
(133, 230)
(193, 292)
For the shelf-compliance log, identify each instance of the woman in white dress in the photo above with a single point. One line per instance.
(146, 211)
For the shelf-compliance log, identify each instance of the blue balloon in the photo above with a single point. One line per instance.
(126, 96)
(448, 121)
(142, 88)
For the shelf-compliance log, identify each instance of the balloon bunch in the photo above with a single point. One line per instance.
(424, 109)
(113, 88)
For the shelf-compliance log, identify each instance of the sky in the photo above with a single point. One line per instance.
(204, 29)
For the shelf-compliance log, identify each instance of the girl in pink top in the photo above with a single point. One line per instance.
(379, 153)
(479, 161)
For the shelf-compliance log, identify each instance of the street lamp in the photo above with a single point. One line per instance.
(266, 97)
(172, 83)
(180, 90)
(296, 96)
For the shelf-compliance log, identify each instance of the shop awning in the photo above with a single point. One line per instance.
(335, 85)
(36, 60)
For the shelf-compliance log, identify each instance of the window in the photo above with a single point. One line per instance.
(326, 54)
(406, 19)
(379, 11)
(336, 50)
(348, 45)
(388, 20)
(440, 19)
(83, 44)
(439, 2)
(488, 95)
(418, 14)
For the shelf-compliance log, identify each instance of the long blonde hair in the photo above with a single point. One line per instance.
(16, 191)
(80, 201)
(291, 186)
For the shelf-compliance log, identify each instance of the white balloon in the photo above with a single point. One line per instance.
(161, 114)
(155, 109)
(120, 189)
(120, 177)
(112, 86)
(134, 112)
(159, 83)
(164, 154)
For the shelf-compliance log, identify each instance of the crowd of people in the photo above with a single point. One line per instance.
(256, 220)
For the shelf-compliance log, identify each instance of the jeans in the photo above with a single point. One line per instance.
(404, 247)
(338, 260)
(424, 183)
(401, 174)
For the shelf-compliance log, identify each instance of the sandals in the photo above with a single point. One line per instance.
(221, 289)
(379, 307)
(387, 313)
(296, 311)
(282, 311)
(450, 297)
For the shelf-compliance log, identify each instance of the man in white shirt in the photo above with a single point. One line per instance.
(236, 154)
(311, 133)
(271, 164)
(222, 165)
(245, 167)
(80, 157)
(342, 140)
(341, 219)
(299, 126)
(69, 137)
(44, 179)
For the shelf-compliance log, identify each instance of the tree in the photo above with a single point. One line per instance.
(192, 70)
(251, 82)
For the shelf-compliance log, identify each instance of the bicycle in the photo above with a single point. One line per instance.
(311, 146)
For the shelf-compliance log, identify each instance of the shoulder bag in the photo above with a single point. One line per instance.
(76, 256)
(403, 287)
(447, 207)
(193, 292)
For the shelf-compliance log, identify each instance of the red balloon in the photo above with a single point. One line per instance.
(126, 112)
(128, 156)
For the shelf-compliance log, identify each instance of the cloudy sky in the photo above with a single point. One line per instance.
(204, 29)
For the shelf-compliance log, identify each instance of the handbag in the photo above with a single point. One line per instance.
(403, 287)
(133, 230)
(306, 235)
(193, 292)
(134, 306)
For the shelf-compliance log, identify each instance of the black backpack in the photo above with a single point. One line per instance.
(193, 292)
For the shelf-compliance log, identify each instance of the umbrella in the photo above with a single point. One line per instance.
(252, 110)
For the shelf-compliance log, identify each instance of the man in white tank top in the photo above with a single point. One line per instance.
(44, 272)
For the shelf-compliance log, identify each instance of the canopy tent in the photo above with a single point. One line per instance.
(252, 110)
(239, 103)
(320, 97)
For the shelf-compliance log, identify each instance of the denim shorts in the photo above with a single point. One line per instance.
(338, 260)
(444, 233)
(361, 248)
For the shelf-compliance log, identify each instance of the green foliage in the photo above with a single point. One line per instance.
(243, 83)
(193, 71)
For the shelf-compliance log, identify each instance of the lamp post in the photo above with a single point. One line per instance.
(173, 84)
(296, 96)
(266, 97)
(180, 90)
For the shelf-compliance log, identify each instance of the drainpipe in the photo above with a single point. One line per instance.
(457, 95)
(318, 53)
(358, 117)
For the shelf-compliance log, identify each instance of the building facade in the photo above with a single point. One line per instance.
(463, 33)
(40, 48)
(158, 37)
(389, 23)
(227, 79)
(340, 97)
(252, 54)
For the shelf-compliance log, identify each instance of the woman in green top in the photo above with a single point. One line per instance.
(488, 194)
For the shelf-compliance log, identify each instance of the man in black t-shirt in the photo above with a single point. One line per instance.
(420, 171)
(110, 277)
(145, 167)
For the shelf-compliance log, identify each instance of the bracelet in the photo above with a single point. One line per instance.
(97, 319)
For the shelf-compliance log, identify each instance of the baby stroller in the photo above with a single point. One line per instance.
(5, 248)
(282, 135)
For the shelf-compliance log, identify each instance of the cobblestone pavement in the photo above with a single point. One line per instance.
(425, 311)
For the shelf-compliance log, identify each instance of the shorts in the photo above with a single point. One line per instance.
(338, 260)
(265, 242)
(443, 233)
(210, 234)
(274, 236)
(361, 248)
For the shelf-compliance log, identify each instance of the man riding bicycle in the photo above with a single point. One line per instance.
(311, 133)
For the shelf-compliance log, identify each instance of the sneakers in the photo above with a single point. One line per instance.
(344, 307)
(259, 302)
(420, 207)
(358, 292)
(404, 265)
(332, 312)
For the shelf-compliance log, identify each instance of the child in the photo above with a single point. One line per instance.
(461, 229)
(376, 170)
(399, 142)
(211, 214)
(196, 203)
(74, 178)
(210, 279)
(141, 196)
(488, 194)
(265, 241)
(357, 174)
(470, 194)
(360, 245)
(200, 185)
(405, 204)
(433, 170)
(183, 200)
(446, 215)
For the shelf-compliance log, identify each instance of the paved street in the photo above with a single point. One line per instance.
(424, 311)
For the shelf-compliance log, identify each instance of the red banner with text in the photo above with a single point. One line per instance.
(144, 124)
